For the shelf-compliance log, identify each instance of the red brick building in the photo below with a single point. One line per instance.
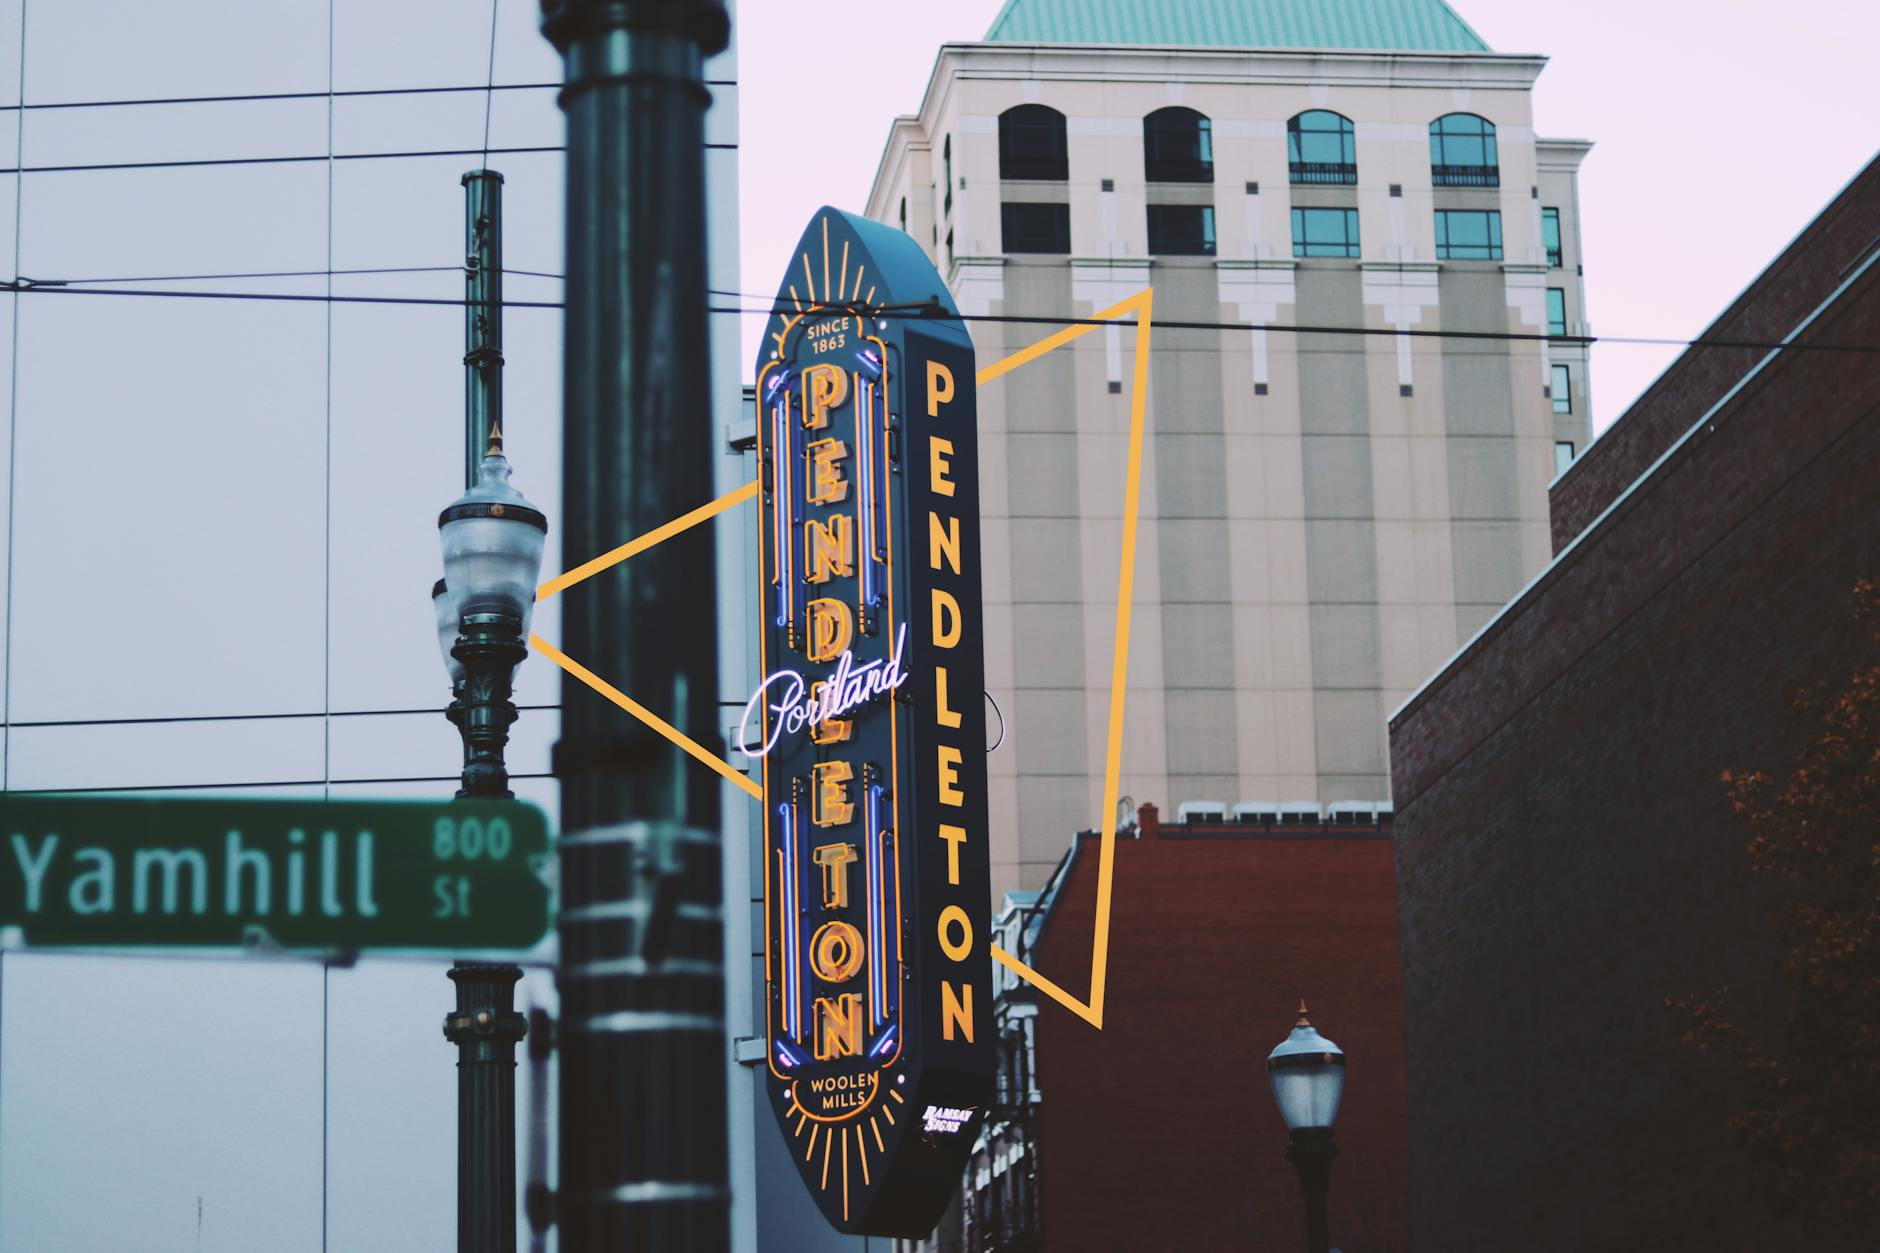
(1158, 1132)
(1566, 855)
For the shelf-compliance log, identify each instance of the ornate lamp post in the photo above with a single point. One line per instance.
(1307, 1072)
(493, 539)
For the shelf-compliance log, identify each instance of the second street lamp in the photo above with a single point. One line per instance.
(1307, 1073)
(493, 539)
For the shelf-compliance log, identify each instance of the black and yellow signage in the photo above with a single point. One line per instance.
(870, 724)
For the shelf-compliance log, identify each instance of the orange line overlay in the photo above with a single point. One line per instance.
(644, 714)
(1142, 302)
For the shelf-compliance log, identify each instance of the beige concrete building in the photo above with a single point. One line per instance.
(1326, 515)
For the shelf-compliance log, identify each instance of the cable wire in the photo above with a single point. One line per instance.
(214, 787)
(50, 287)
(171, 719)
(489, 92)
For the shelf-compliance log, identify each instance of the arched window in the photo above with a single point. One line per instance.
(1462, 152)
(1177, 147)
(946, 160)
(1321, 148)
(1032, 144)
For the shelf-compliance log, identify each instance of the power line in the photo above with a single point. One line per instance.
(164, 720)
(251, 97)
(215, 787)
(49, 287)
(208, 162)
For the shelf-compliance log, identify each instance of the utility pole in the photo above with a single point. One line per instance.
(641, 1029)
(485, 1027)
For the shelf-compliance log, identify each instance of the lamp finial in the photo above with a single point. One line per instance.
(496, 442)
(1302, 1014)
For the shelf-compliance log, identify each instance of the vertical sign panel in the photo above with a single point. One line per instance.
(870, 727)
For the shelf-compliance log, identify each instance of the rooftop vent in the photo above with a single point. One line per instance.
(1351, 813)
(1299, 813)
(1262, 813)
(1191, 812)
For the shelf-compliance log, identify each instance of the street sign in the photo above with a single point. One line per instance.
(871, 730)
(122, 872)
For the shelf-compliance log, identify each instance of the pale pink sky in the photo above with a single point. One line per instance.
(1720, 129)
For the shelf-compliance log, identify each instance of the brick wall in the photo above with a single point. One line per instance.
(1795, 282)
(1566, 856)
(1159, 1132)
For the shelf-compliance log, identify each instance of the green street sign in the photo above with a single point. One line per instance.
(119, 872)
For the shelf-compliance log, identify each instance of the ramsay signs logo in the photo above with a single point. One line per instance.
(871, 730)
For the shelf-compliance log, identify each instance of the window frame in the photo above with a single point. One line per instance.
(1195, 168)
(946, 159)
(1006, 234)
(1302, 244)
(1491, 249)
(1560, 387)
(1303, 173)
(1208, 242)
(1557, 300)
(1572, 452)
(1448, 171)
(1028, 120)
(1556, 252)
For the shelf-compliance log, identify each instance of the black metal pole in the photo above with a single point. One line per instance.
(483, 315)
(1311, 1152)
(641, 1030)
(485, 1028)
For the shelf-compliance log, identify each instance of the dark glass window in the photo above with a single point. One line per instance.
(1556, 311)
(1325, 232)
(1032, 144)
(1561, 389)
(946, 160)
(1177, 147)
(1462, 152)
(1036, 227)
(1550, 236)
(1563, 456)
(1181, 230)
(1321, 148)
(1468, 235)
(904, 215)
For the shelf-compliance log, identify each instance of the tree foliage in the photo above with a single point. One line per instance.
(1810, 1109)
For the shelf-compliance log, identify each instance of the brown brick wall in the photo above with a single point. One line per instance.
(1159, 1132)
(1566, 856)
(1804, 275)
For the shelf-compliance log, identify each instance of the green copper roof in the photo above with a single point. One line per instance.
(1406, 25)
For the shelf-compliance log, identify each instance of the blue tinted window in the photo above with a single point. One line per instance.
(1556, 311)
(1561, 390)
(1177, 147)
(1321, 148)
(1468, 235)
(1462, 152)
(1325, 232)
(1550, 235)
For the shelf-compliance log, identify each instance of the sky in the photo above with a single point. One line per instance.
(1720, 128)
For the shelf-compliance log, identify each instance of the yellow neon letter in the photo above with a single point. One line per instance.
(824, 388)
(942, 714)
(943, 540)
(939, 387)
(950, 760)
(830, 628)
(839, 1026)
(830, 806)
(938, 467)
(834, 860)
(954, 836)
(835, 954)
(956, 1007)
(826, 485)
(831, 547)
(946, 619)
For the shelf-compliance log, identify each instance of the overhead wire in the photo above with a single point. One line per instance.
(919, 313)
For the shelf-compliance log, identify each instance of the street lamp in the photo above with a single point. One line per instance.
(1307, 1072)
(493, 539)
